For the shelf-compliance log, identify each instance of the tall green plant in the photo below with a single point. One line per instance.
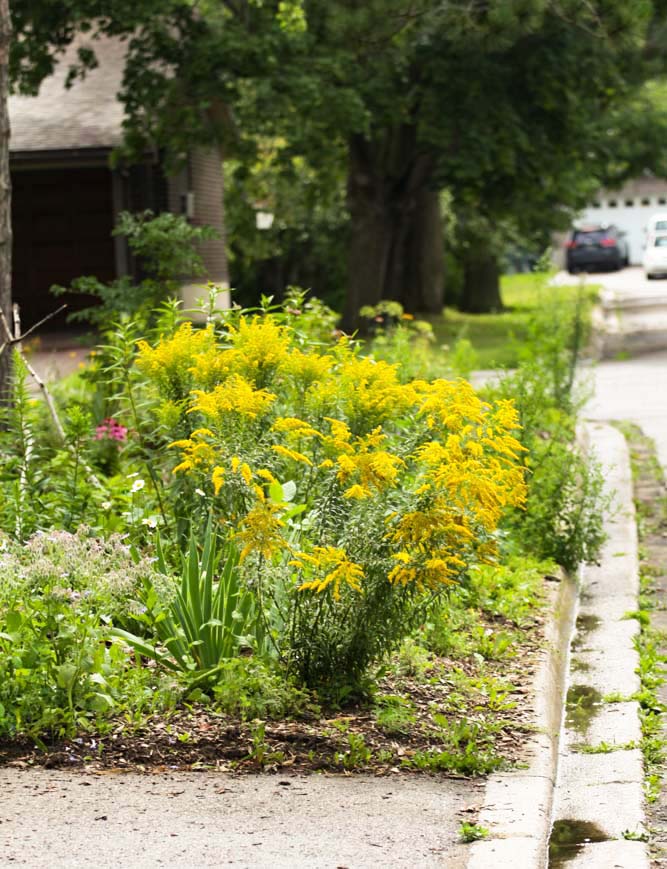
(562, 519)
(211, 617)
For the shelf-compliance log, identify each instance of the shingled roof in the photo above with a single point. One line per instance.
(87, 115)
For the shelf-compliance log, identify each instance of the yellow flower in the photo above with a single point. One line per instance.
(236, 396)
(291, 454)
(170, 361)
(307, 368)
(259, 347)
(357, 492)
(371, 391)
(197, 454)
(336, 566)
(217, 478)
(261, 530)
(295, 427)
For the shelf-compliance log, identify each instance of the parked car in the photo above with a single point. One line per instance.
(656, 224)
(597, 248)
(655, 256)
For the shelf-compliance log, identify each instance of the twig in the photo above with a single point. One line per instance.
(8, 342)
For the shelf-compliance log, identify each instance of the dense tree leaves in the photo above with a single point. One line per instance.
(518, 107)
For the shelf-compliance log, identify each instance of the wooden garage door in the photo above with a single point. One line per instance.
(62, 221)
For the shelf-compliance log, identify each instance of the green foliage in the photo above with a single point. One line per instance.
(261, 752)
(356, 752)
(209, 619)
(509, 592)
(249, 688)
(472, 832)
(44, 481)
(56, 671)
(563, 516)
(309, 230)
(394, 714)
(60, 593)
(400, 339)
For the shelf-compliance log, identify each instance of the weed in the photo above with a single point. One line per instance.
(356, 753)
(472, 832)
(261, 751)
(394, 714)
(605, 747)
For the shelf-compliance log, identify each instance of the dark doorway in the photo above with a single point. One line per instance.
(62, 222)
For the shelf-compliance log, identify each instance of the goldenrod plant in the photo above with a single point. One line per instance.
(355, 499)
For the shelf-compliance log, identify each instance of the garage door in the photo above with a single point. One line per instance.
(62, 221)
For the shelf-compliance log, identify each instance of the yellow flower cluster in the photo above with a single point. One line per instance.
(258, 348)
(262, 529)
(235, 396)
(430, 463)
(169, 363)
(334, 564)
(371, 391)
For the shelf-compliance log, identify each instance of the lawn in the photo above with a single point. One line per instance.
(496, 338)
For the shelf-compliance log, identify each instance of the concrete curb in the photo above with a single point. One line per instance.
(627, 322)
(518, 805)
(560, 783)
(605, 791)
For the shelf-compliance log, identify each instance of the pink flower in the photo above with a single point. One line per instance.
(110, 429)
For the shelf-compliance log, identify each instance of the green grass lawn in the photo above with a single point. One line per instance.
(496, 337)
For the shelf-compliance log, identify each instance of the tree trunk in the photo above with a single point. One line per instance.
(394, 226)
(424, 277)
(5, 193)
(481, 282)
(370, 234)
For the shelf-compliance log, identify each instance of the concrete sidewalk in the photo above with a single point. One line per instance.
(61, 820)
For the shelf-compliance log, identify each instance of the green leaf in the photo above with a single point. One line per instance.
(276, 492)
(295, 511)
(14, 620)
(66, 675)
(102, 702)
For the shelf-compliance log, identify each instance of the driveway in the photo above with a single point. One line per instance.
(630, 280)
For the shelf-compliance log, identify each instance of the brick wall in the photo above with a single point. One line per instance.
(206, 182)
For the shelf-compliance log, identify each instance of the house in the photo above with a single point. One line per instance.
(66, 197)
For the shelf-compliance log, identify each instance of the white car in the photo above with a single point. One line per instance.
(655, 256)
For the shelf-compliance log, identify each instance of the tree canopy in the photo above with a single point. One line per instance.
(517, 107)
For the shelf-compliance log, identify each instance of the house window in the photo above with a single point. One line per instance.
(612, 203)
(646, 200)
(597, 204)
(662, 200)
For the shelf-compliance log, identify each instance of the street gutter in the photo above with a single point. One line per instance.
(562, 784)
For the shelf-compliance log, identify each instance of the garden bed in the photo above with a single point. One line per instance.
(442, 715)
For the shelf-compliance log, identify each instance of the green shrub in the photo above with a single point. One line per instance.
(354, 497)
(248, 688)
(563, 515)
